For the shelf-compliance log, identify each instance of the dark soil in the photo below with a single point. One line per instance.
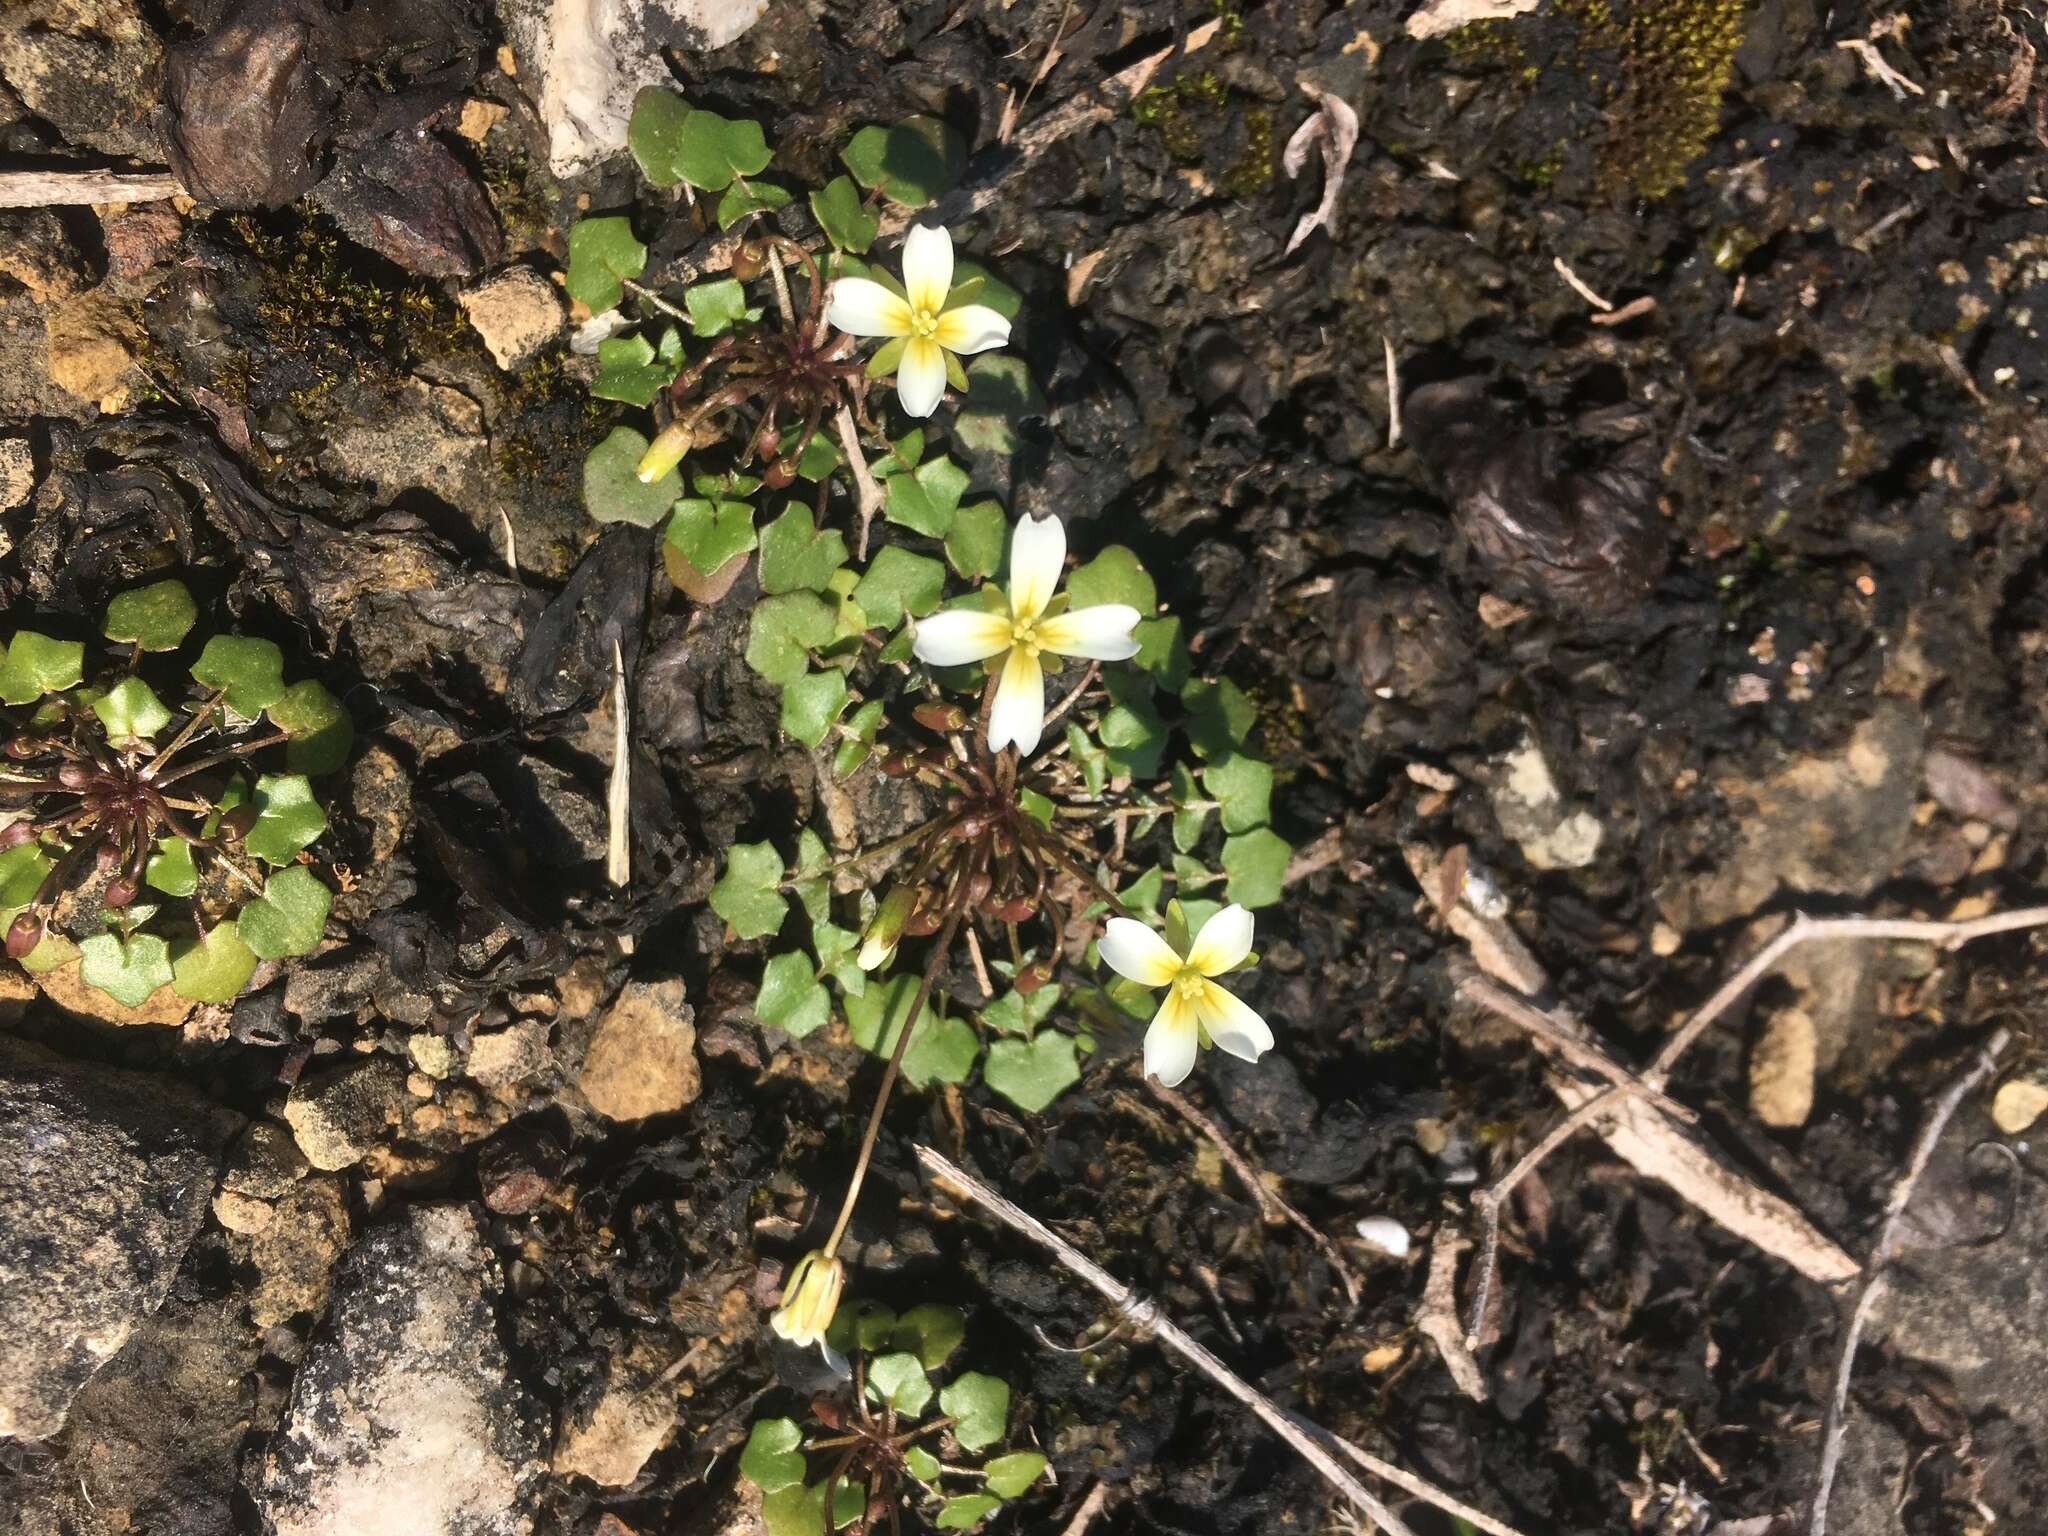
(1819, 451)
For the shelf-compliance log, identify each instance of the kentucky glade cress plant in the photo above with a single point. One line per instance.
(159, 840)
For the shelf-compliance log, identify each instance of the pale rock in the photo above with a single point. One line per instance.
(1439, 18)
(68, 991)
(242, 1213)
(94, 340)
(17, 472)
(1385, 1234)
(434, 1054)
(295, 1253)
(429, 438)
(516, 313)
(634, 1413)
(89, 68)
(1534, 813)
(1781, 1069)
(642, 1060)
(2018, 1104)
(505, 1058)
(337, 1116)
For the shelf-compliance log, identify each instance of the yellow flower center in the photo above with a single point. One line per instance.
(924, 323)
(1024, 635)
(1189, 983)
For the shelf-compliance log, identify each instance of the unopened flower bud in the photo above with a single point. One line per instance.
(809, 1299)
(15, 834)
(779, 472)
(74, 775)
(940, 717)
(23, 935)
(885, 929)
(1031, 977)
(664, 453)
(1012, 909)
(119, 893)
(749, 261)
(899, 765)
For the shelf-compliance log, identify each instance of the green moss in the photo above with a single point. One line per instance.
(1486, 43)
(1183, 111)
(1663, 105)
(1253, 171)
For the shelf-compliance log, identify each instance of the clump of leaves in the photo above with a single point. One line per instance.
(157, 839)
(881, 1447)
(1144, 799)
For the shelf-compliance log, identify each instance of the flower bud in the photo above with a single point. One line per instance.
(14, 834)
(1012, 909)
(940, 717)
(74, 775)
(885, 929)
(749, 261)
(119, 893)
(1032, 977)
(664, 453)
(21, 748)
(23, 935)
(899, 765)
(809, 1299)
(779, 472)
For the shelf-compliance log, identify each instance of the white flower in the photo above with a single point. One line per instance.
(809, 1299)
(1038, 549)
(1196, 1008)
(924, 332)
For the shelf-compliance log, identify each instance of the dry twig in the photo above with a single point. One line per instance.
(57, 189)
(1437, 1318)
(1981, 1066)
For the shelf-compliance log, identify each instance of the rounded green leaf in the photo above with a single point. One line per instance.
(922, 1464)
(899, 1380)
(289, 918)
(783, 632)
(748, 894)
(35, 664)
(980, 1408)
(925, 500)
(812, 703)
(745, 197)
(251, 670)
(975, 542)
(708, 150)
(288, 818)
(22, 869)
(629, 369)
(1256, 863)
(601, 252)
(1009, 1476)
(931, 1331)
(1114, 576)
(717, 306)
(773, 1458)
(1032, 1073)
(709, 533)
(320, 729)
(127, 971)
(794, 1511)
(131, 711)
(942, 1050)
(791, 995)
(1220, 717)
(966, 1511)
(213, 969)
(613, 493)
(1244, 786)
(654, 132)
(898, 583)
(862, 1326)
(170, 868)
(156, 617)
(797, 555)
(843, 216)
(912, 163)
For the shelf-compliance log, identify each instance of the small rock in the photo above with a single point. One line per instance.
(94, 340)
(632, 1417)
(265, 1162)
(242, 1213)
(244, 104)
(516, 313)
(478, 118)
(506, 1058)
(36, 251)
(517, 1170)
(141, 239)
(428, 438)
(2018, 1104)
(337, 1116)
(88, 68)
(643, 1061)
(295, 1252)
(406, 1416)
(105, 1177)
(1781, 1069)
(1385, 1234)
(1530, 809)
(17, 472)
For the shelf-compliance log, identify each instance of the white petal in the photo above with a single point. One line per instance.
(1233, 1026)
(860, 307)
(921, 377)
(1131, 949)
(971, 328)
(1037, 551)
(1172, 1042)
(927, 268)
(1100, 633)
(1018, 714)
(1224, 941)
(874, 951)
(961, 635)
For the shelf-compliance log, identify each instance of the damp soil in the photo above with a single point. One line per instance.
(1784, 487)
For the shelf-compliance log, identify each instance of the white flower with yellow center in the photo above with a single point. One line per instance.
(1196, 1009)
(926, 326)
(1038, 551)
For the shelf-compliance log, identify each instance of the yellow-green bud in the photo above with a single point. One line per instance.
(885, 929)
(664, 453)
(809, 1299)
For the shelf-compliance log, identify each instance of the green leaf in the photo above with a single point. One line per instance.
(127, 972)
(864, 723)
(251, 670)
(747, 895)
(22, 869)
(1256, 864)
(170, 869)
(601, 252)
(899, 1380)
(794, 1511)
(1142, 894)
(942, 1050)
(654, 131)
(783, 632)
(629, 369)
(849, 1502)
(974, 544)
(922, 1464)
(924, 500)
(899, 583)
(613, 493)
(861, 1326)
(1036, 806)
(980, 1406)
(213, 969)
(1188, 821)
(842, 215)
(791, 996)
(156, 617)
(912, 163)
(798, 556)
(130, 710)
(1032, 1073)
(1162, 653)
(812, 890)
(717, 306)
(1220, 716)
(1008, 1476)
(288, 818)
(1000, 394)
(773, 1457)
(1244, 785)
(709, 533)
(811, 703)
(320, 730)
(1131, 728)
(1015, 1014)
(746, 197)
(931, 1332)
(966, 1511)
(902, 457)
(35, 664)
(290, 917)
(708, 150)
(820, 457)
(1114, 576)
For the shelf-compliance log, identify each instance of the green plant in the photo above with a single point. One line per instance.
(880, 1449)
(135, 834)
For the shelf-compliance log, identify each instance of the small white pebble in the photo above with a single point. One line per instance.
(1385, 1234)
